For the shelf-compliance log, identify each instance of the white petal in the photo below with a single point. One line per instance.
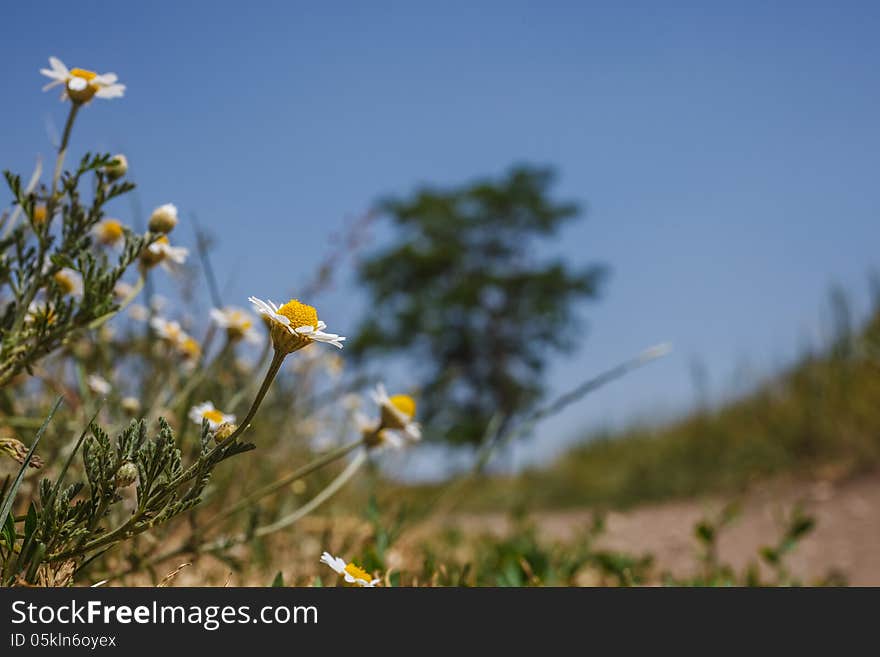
(105, 79)
(113, 91)
(58, 66)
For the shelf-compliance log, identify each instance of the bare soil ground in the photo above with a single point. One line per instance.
(846, 537)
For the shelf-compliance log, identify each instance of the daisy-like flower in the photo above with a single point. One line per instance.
(81, 85)
(98, 384)
(168, 330)
(397, 412)
(122, 290)
(294, 325)
(68, 281)
(238, 323)
(40, 311)
(139, 312)
(161, 252)
(189, 348)
(109, 232)
(206, 411)
(353, 574)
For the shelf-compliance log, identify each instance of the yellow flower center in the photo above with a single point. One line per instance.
(155, 253)
(40, 215)
(404, 403)
(80, 87)
(213, 416)
(358, 573)
(299, 314)
(65, 282)
(83, 73)
(110, 231)
(190, 347)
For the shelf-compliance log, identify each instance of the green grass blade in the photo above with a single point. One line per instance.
(10, 494)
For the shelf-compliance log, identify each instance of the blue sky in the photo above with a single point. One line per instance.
(727, 153)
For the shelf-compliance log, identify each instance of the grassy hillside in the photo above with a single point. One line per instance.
(824, 413)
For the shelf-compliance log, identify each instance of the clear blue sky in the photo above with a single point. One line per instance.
(728, 154)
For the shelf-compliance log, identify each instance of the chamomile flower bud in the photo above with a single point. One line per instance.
(98, 384)
(17, 450)
(131, 406)
(164, 219)
(126, 475)
(40, 215)
(224, 431)
(117, 168)
(294, 325)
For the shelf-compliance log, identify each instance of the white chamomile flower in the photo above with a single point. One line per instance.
(397, 412)
(168, 330)
(238, 323)
(294, 325)
(206, 411)
(161, 252)
(69, 281)
(81, 85)
(139, 312)
(353, 574)
(40, 311)
(109, 232)
(98, 385)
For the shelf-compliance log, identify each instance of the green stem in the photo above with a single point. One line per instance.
(299, 473)
(274, 366)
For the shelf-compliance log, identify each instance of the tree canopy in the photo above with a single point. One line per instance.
(462, 291)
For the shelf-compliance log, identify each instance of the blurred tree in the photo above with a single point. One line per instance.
(462, 290)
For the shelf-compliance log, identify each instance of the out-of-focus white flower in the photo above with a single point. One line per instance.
(98, 384)
(69, 281)
(109, 231)
(168, 330)
(161, 252)
(294, 325)
(138, 312)
(81, 85)
(130, 405)
(397, 412)
(353, 574)
(206, 411)
(239, 323)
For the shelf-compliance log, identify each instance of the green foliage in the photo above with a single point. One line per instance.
(39, 314)
(461, 289)
(822, 412)
(64, 526)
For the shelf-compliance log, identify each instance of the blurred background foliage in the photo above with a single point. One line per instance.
(463, 292)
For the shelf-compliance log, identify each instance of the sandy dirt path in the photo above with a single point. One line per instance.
(846, 537)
